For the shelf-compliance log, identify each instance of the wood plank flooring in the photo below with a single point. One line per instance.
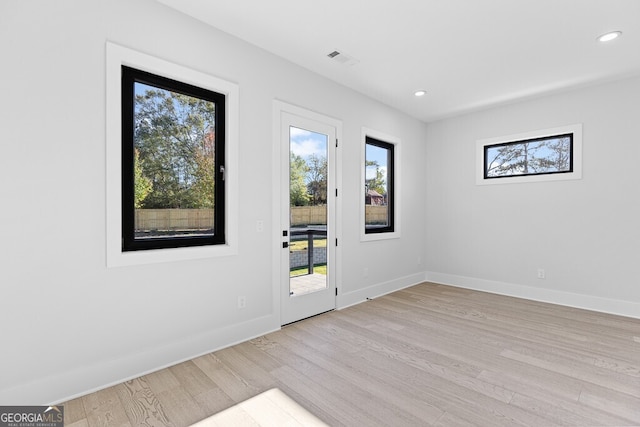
(426, 355)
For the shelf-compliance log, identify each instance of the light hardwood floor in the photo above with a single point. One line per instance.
(427, 355)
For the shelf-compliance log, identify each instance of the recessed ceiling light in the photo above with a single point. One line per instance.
(420, 93)
(609, 36)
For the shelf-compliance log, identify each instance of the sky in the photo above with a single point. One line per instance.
(304, 143)
(378, 155)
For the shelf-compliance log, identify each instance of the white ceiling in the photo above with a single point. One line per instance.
(467, 54)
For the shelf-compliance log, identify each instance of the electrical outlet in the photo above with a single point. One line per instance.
(259, 226)
(242, 302)
(541, 273)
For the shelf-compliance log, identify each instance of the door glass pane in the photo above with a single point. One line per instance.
(307, 211)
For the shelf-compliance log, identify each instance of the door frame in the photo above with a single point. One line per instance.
(280, 107)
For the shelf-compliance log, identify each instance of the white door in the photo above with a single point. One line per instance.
(308, 243)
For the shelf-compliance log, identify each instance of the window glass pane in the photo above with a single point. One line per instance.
(174, 164)
(533, 157)
(378, 189)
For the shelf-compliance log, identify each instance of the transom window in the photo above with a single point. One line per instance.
(544, 155)
(173, 191)
(548, 155)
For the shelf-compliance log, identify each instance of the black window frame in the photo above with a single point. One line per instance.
(528, 141)
(130, 76)
(390, 228)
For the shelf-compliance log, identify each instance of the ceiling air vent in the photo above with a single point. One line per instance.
(342, 58)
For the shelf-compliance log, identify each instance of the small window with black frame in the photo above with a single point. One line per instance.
(540, 156)
(378, 186)
(173, 136)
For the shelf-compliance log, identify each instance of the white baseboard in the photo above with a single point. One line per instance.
(351, 298)
(569, 299)
(68, 385)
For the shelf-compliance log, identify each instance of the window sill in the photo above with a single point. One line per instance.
(117, 258)
(372, 237)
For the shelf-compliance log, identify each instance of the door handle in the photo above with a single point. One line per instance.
(285, 244)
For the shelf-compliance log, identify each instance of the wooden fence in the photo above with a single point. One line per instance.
(305, 215)
(174, 219)
(376, 214)
(310, 215)
(202, 219)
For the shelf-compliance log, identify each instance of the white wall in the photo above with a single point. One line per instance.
(584, 233)
(68, 324)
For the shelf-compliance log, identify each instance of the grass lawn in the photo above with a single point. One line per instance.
(301, 245)
(317, 269)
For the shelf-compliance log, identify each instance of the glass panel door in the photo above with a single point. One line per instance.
(307, 216)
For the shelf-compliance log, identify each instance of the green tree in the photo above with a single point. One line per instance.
(317, 179)
(378, 182)
(204, 174)
(142, 185)
(174, 136)
(298, 169)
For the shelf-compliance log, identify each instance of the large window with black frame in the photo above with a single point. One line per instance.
(378, 186)
(173, 136)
